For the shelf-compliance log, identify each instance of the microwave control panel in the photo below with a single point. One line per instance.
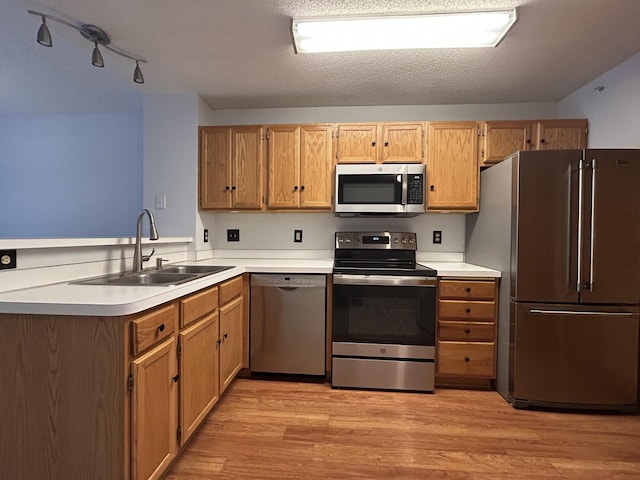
(415, 189)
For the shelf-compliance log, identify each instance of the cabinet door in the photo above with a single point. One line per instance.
(316, 166)
(284, 166)
(502, 138)
(198, 373)
(357, 143)
(154, 411)
(215, 167)
(401, 142)
(452, 166)
(246, 151)
(561, 134)
(231, 342)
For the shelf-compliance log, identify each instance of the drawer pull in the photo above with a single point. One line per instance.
(466, 359)
(161, 327)
(468, 289)
(468, 310)
(467, 330)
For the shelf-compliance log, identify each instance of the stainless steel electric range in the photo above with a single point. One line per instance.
(383, 313)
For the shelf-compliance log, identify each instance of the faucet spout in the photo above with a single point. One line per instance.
(138, 258)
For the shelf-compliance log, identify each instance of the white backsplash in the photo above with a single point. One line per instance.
(274, 231)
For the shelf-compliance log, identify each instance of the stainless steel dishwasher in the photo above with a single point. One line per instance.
(287, 324)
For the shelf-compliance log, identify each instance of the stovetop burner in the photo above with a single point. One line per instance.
(378, 253)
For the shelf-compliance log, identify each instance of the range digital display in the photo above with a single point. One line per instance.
(376, 239)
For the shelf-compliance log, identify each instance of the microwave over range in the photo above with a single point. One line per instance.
(379, 190)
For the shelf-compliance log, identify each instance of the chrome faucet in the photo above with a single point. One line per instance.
(138, 258)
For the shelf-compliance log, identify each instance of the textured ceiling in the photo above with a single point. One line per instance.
(239, 54)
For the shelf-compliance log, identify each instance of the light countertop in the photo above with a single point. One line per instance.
(65, 298)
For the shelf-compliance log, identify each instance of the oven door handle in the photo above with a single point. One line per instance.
(384, 280)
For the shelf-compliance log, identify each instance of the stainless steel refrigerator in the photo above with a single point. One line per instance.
(563, 227)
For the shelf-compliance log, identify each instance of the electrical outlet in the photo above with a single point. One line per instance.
(161, 202)
(297, 236)
(233, 235)
(206, 235)
(437, 236)
(7, 259)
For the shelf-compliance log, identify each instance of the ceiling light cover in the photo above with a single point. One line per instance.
(454, 30)
(44, 35)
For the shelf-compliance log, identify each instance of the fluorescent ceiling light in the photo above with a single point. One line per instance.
(451, 30)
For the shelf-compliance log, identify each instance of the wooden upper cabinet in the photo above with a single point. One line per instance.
(283, 159)
(215, 167)
(502, 138)
(231, 167)
(246, 177)
(300, 161)
(380, 142)
(316, 166)
(357, 143)
(452, 166)
(401, 142)
(561, 134)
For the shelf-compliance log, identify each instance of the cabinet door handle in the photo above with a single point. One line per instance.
(542, 140)
(432, 188)
(386, 144)
(295, 187)
(225, 335)
(466, 359)
(161, 327)
(233, 188)
(373, 144)
(218, 341)
(175, 379)
(302, 188)
(227, 187)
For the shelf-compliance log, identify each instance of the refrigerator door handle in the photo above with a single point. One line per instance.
(536, 311)
(593, 223)
(579, 239)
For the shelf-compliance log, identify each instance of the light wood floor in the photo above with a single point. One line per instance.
(286, 430)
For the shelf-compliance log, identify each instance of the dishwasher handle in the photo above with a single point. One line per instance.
(288, 282)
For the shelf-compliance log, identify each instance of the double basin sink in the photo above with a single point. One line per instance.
(167, 276)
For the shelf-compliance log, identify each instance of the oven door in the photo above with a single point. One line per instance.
(384, 310)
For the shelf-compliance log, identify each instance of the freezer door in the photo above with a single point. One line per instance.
(611, 253)
(573, 355)
(544, 226)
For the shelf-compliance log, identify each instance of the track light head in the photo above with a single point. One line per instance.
(44, 36)
(95, 35)
(137, 74)
(96, 57)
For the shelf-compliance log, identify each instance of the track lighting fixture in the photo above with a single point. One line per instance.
(95, 35)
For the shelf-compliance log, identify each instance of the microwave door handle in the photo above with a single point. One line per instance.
(405, 187)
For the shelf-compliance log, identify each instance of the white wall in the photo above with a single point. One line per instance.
(613, 113)
(274, 231)
(171, 160)
(72, 175)
(506, 111)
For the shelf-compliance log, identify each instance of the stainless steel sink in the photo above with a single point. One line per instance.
(167, 276)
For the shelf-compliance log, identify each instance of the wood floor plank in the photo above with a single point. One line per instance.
(287, 430)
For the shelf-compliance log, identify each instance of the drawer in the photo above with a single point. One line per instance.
(467, 289)
(466, 359)
(466, 331)
(153, 327)
(461, 310)
(198, 305)
(230, 289)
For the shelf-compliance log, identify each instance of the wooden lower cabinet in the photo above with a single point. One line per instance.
(199, 366)
(466, 332)
(115, 398)
(154, 411)
(231, 346)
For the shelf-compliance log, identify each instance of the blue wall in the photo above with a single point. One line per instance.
(70, 176)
